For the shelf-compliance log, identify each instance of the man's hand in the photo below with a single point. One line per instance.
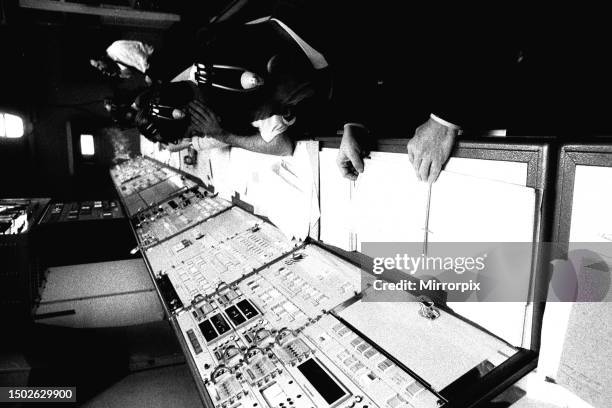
(178, 146)
(430, 148)
(205, 121)
(350, 156)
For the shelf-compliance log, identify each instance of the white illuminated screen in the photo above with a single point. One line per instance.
(87, 145)
(11, 126)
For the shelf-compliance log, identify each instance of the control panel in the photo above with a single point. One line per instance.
(307, 283)
(138, 174)
(142, 182)
(222, 249)
(259, 313)
(82, 211)
(245, 359)
(270, 340)
(180, 212)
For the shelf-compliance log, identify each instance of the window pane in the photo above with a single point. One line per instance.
(13, 125)
(87, 145)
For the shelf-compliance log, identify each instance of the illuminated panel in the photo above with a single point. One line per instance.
(87, 145)
(11, 126)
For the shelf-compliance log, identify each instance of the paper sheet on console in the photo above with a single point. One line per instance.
(220, 171)
(389, 203)
(335, 201)
(439, 351)
(280, 188)
(471, 209)
(591, 222)
(592, 206)
(386, 203)
(576, 349)
(285, 192)
(498, 170)
(245, 168)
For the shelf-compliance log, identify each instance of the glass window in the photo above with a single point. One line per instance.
(87, 145)
(11, 126)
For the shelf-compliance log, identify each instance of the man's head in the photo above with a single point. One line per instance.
(106, 66)
(162, 112)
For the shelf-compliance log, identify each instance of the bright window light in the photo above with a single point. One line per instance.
(87, 145)
(11, 126)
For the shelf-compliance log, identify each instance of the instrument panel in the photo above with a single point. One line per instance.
(255, 309)
(180, 212)
(138, 174)
(222, 249)
(142, 183)
(262, 317)
(246, 355)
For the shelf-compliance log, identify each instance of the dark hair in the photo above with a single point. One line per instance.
(106, 65)
(162, 127)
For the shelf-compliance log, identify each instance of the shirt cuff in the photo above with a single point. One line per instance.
(361, 125)
(272, 126)
(444, 122)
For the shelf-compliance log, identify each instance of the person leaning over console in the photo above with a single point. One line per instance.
(267, 59)
(260, 71)
(264, 119)
(177, 115)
